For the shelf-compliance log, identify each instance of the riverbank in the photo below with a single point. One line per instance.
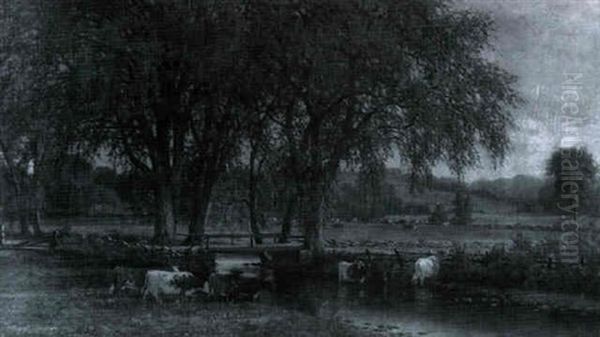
(41, 296)
(546, 302)
(497, 279)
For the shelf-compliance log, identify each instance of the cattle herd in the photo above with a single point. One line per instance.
(238, 279)
(232, 279)
(376, 272)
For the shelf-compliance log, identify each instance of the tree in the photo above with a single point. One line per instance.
(35, 125)
(438, 216)
(573, 173)
(341, 74)
(370, 180)
(70, 187)
(161, 87)
(462, 206)
(170, 84)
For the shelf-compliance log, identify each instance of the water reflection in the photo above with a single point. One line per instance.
(420, 312)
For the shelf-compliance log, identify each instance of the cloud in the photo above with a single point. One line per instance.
(540, 40)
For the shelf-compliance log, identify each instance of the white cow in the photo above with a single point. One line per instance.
(160, 283)
(350, 272)
(425, 268)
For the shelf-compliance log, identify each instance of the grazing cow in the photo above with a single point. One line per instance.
(383, 274)
(237, 285)
(425, 268)
(127, 280)
(352, 272)
(238, 277)
(223, 286)
(395, 269)
(160, 283)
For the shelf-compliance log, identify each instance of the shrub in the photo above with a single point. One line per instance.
(438, 216)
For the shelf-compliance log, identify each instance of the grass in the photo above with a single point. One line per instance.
(463, 234)
(41, 297)
(359, 232)
(524, 267)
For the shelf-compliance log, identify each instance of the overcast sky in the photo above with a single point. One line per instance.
(539, 41)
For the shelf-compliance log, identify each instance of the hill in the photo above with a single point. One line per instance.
(499, 196)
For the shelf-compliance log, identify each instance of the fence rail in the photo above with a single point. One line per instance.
(206, 238)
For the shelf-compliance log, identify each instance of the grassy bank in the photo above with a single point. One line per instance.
(40, 296)
(525, 267)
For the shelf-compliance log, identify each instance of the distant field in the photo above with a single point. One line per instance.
(358, 232)
(514, 219)
(362, 232)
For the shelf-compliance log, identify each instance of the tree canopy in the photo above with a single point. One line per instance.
(182, 91)
(573, 172)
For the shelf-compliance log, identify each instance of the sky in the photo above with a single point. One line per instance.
(542, 41)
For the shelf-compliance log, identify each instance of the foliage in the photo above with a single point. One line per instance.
(522, 190)
(349, 202)
(462, 207)
(520, 268)
(169, 91)
(35, 122)
(573, 162)
(344, 91)
(183, 91)
(438, 215)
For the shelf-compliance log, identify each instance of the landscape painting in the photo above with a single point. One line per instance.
(289, 168)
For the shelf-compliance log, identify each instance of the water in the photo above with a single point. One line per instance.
(419, 312)
(39, 296)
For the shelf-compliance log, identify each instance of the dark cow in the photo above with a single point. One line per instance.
(241, 277)
(127, 280)
(352, 272)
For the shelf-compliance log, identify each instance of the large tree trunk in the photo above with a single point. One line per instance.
(38, 203)
(286, 224)
(254, 227)
(252, 199)
(164, 228)
(199, 215)
(312, 221)
(23, 223)
(22, 211)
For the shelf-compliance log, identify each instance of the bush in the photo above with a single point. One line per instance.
(463, 209)
(496, 269)
(522, 267)
(438, 216)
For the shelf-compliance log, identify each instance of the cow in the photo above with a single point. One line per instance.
(223, 286)
(352, 272)
(237, 285)
(237, 277)
(394, 269)
(127, 280)
(160, 283)
(383, 274)
(425, 268)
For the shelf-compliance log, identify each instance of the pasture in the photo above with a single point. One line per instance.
(41, 297)
(487, 230)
